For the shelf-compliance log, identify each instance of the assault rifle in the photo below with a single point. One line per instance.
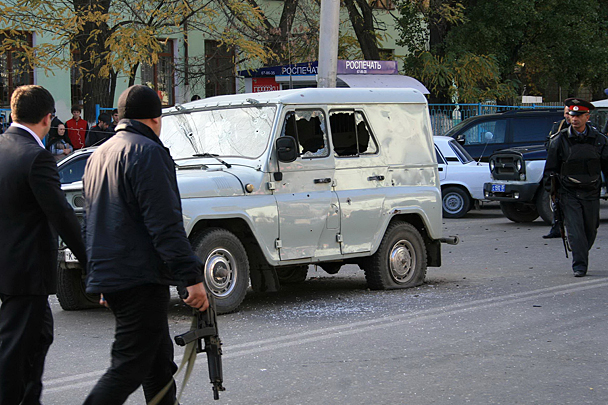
(204, 329)
(558, 214)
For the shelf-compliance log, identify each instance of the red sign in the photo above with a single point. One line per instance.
(260, 84)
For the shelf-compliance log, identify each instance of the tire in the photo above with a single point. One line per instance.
(519, 212)
(400, 261)
(543, 206)
(225, 267)
(456, 202)
(292, 274)
(71, 290)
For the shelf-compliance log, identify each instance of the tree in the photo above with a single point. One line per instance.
(113, 36)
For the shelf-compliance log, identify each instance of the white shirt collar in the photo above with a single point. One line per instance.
(14, 124)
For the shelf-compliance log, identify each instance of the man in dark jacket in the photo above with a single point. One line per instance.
(32, 208)
(578, 155)
(100, 132)
(137, 247)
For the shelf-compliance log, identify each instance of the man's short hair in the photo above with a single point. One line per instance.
(76, 107)
(115, 111)
(31, 103)
(103, 117)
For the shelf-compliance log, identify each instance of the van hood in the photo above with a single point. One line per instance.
(532, 152)
(200, 180)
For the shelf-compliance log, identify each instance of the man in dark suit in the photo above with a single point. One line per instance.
(33, 209)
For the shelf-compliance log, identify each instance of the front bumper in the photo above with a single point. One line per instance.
(513, 191)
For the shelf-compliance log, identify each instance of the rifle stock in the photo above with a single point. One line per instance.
(558, 214)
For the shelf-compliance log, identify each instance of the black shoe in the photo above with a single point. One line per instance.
(580, 273)
(552, 235)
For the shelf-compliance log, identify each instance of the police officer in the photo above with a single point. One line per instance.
(578, 155)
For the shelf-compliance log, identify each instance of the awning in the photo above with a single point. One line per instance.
(383, 81)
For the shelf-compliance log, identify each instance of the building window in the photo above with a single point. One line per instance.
(219, 69)
(14, 71)
(76, 79)
(161, 76)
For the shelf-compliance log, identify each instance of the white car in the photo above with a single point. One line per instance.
(461, 177)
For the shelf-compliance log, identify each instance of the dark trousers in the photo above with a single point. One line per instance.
(26, 333)
(582, 218)
(142, 353)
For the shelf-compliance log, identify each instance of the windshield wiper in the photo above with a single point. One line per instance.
(213, 155)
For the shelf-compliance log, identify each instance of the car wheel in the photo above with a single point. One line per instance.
(292, 274)
(543, 206)
(331, 268)
(519, 212)
(400, 261)
(225, 267)
(71, 292)
(456, 202)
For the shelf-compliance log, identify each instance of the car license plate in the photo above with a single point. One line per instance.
(498, 188)
(69, 257)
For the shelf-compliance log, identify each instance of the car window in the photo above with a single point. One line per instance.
(73, 170)
(461, 152)
(493, 131)
(531, 129)
(309, 129)
(350, 134)
(440, 159)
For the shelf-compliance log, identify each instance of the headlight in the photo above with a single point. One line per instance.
(492, 164)
(518, 165)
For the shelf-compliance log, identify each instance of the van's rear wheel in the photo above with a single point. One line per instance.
(292, 274)
(400, 261)
(71, 290)
(225, 267)
(519, 212)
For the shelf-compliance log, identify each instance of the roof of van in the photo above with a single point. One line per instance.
(310, 96)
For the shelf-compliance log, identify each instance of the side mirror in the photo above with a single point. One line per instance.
(286, 149)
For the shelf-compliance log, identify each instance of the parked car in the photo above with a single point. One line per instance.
(483, 135)
(273, 182)
(462, 178)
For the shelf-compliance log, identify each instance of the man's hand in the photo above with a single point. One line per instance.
(197, 297)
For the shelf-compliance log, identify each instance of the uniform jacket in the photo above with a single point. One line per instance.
(77, 132)
(134, 231)
(558, 152)
(32, 208)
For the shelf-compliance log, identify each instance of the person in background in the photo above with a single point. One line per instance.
(578, 155)
(59, 144)
(100, 132)
(77, 128)
(114, 120)
(33, 210)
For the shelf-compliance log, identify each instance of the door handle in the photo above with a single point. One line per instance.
(322, 181)
(378, 178)
(440, 169)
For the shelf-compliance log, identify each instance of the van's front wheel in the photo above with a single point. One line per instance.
(400, 261)
(225, 267)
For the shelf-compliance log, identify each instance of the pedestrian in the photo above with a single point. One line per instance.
(77, 128)
(59, 144)
(100, 132)
(137, 244)
(33, 209)
(114, 120)
(557, 126)
(578, 155)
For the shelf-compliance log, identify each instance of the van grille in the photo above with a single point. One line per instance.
(505, 166)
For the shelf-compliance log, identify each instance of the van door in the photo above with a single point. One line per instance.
(360, 179)
(309, 215)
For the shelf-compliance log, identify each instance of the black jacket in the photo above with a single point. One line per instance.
(134, 232)
(558, 152)
(32, 208)
(96, 136)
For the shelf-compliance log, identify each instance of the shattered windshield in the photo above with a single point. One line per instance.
(238, 132)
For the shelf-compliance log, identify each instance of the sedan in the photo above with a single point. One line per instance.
(461, 177)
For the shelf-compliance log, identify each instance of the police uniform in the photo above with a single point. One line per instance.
(579, 160)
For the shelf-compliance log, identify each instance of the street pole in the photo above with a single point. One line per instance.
(329, 25)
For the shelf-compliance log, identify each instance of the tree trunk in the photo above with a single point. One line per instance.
(93, 57)
(362, 18)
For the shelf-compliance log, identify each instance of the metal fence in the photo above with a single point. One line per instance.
(446, 116)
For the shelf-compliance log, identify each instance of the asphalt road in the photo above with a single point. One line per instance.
(503, 321)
